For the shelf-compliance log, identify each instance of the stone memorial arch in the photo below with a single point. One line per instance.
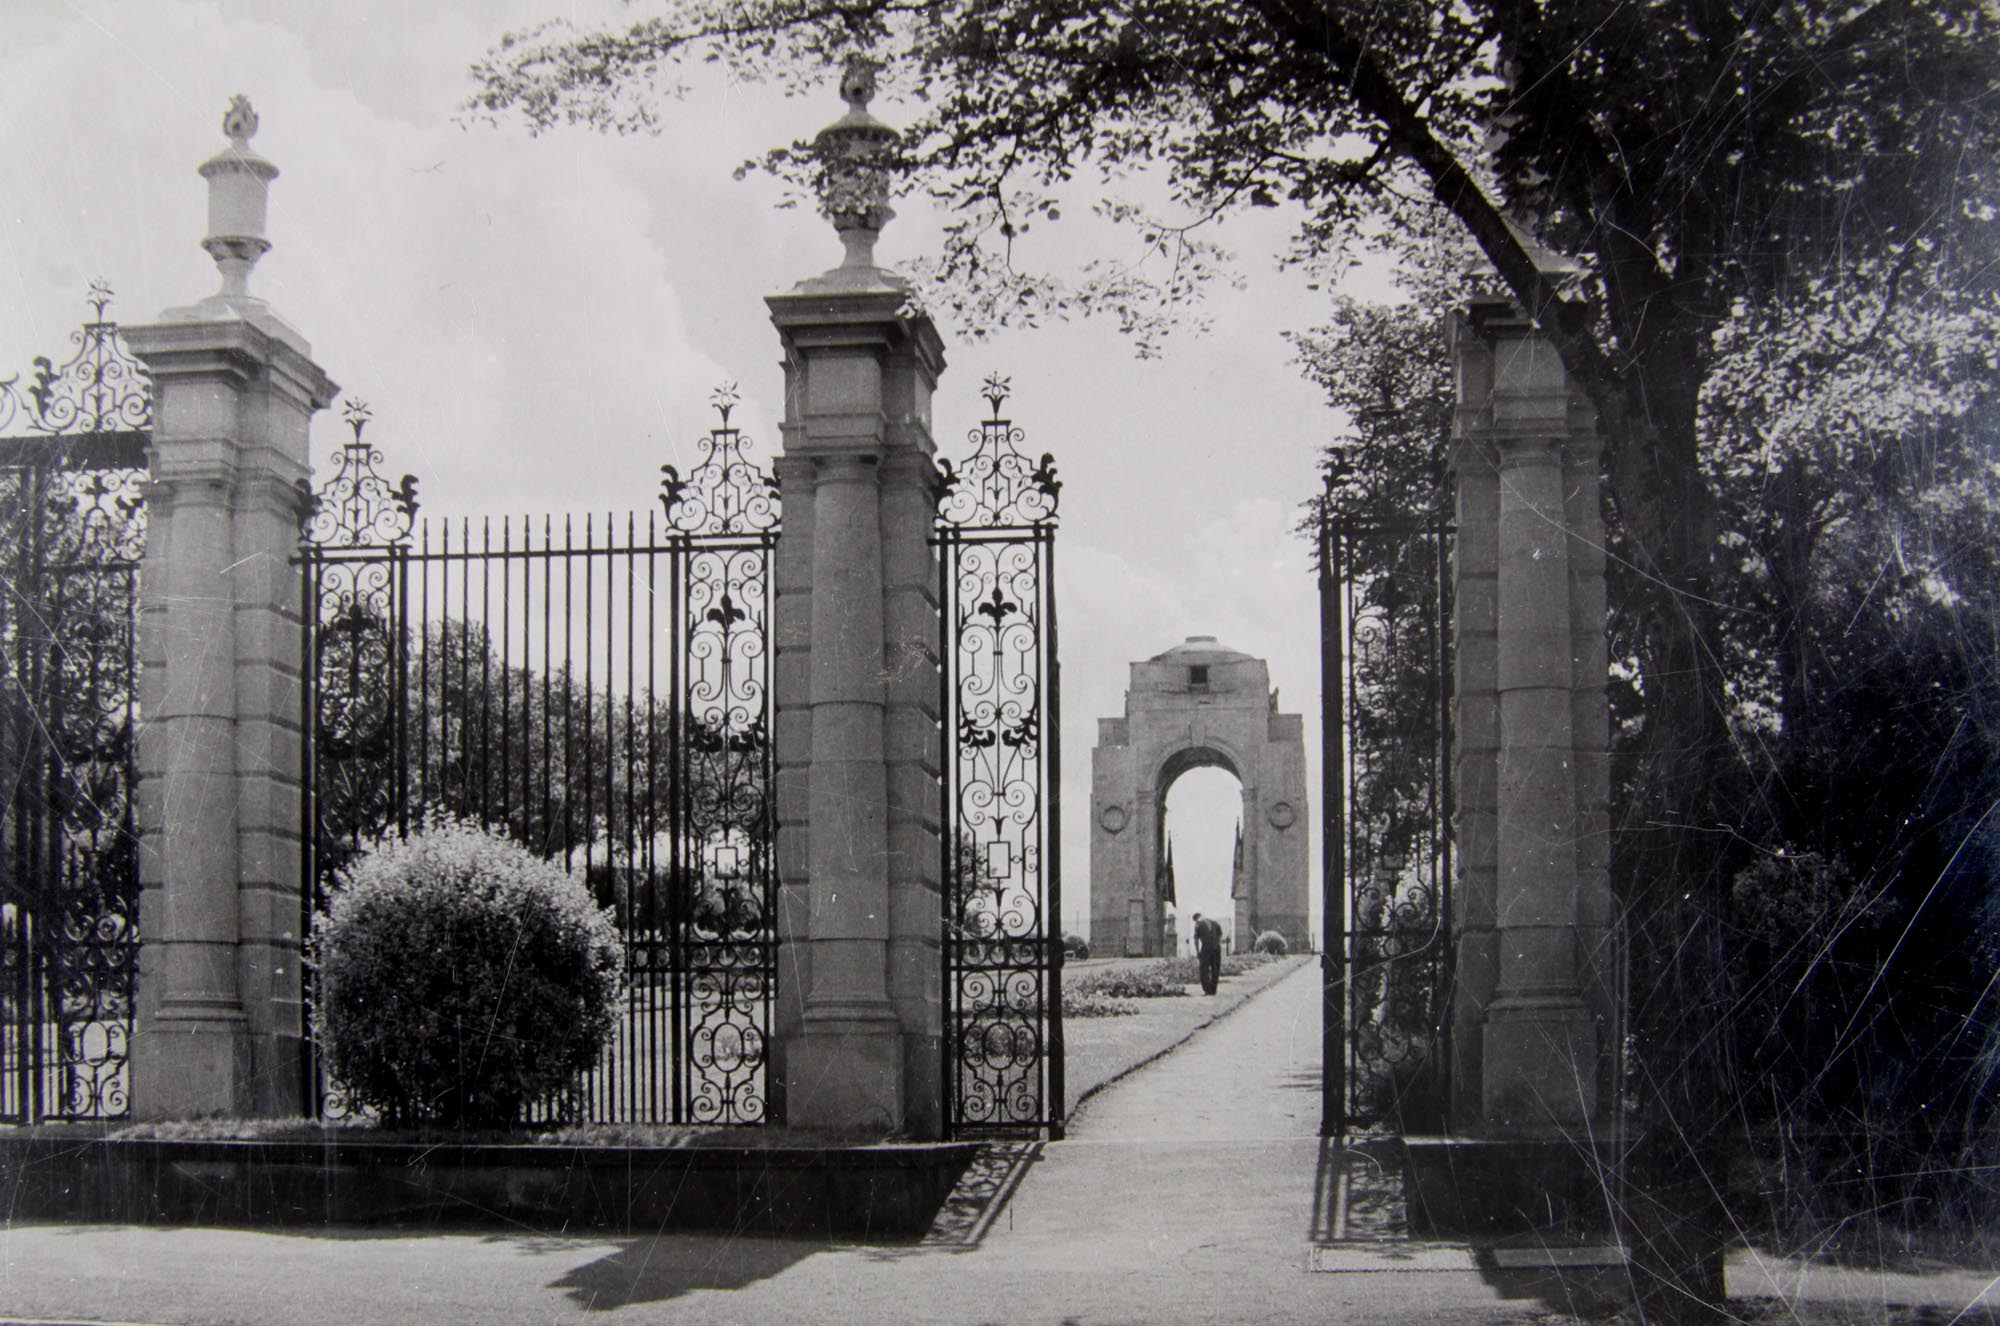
(1198, 705)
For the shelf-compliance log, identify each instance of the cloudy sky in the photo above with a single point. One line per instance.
(537, 323)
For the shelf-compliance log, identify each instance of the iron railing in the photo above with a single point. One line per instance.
(597, 690)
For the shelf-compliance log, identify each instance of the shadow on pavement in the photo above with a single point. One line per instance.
(981, 1194)
(1360, 1224)
(1358, 1194)
(651, 1270)
(1579, 1290)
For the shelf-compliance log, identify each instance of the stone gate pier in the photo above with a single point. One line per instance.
(220, 1020)
(1534, 1011)
(857, 686)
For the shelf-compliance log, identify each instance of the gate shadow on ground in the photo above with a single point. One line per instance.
(656, 1269)
(1577, 1291)
(982, 1192)
(1358, 1194)
(644, 1269)
(652, 1270)
(1359, 1208)
(1305, 1079)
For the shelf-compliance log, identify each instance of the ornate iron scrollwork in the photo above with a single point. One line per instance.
(998, 485)
(730, 933)
(72, 532)
(357, 507)
(995, 530)
(727, 511)
(600, 692)
(100, 389)
(726, 492)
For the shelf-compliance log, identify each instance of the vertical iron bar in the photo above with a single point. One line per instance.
(634, 1011)
(399, 682)
(426, 792)
(680, 570)
(947, 828)
(55, 697)
(1052, 736)
(1448, 957)
(1333, 861)
(485, 637)
(309, 1088)
(767, 860)
(13, 959)
(129, 824)
(506, 685)
(36, 766)
(547, 820)
(463, 745)
(606, 1086)
(649, 936)
(46, 925)
(569, 695)
(1358, 855)
(526, 812)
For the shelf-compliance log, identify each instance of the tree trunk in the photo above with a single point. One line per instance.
(1674, 857)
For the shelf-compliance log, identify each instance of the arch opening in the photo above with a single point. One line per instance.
(1201, 818)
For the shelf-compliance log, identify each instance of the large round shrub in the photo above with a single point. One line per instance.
(1271, 942)
(460, 978)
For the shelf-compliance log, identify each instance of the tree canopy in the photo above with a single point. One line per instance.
(1671, 187)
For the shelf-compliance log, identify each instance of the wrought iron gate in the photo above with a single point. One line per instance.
(597, 690)
(72, 529)
(1003, 1047)
(1385, 653)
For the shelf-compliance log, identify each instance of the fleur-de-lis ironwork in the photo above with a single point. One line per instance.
(357, 506)
(725, 492)
(100, 389)
(997, 484)
(725, 613)
(996, 607)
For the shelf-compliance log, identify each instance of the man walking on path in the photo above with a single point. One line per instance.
(1208, 951)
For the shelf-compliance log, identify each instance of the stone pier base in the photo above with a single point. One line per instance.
(1529, 1189)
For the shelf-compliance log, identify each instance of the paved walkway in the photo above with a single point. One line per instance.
(1100, 1051)
(1194, 1190)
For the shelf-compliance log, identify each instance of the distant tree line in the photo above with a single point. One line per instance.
(638, 793)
